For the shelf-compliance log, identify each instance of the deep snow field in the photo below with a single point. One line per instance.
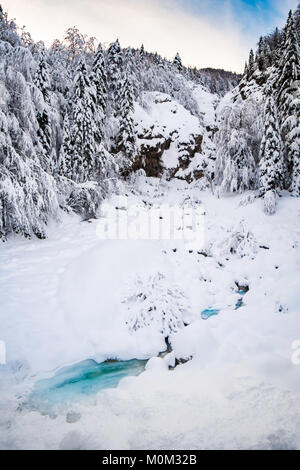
(76, 296)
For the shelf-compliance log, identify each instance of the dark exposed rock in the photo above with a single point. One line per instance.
(242, 288)
(149, 156)
(180, 361)
(186, 152)
(203, 253)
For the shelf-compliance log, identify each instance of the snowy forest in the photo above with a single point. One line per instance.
(69, 134)
(183, 330)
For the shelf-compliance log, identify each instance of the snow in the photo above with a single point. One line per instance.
(62, 301)
(207, 103)
(170, 157)
(166, 116)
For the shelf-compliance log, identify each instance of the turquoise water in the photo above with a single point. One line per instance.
(74, 383)
(209, 313)
(212, 312)
(77, 382)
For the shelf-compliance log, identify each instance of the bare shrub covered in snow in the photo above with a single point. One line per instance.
(241, 242)
(156, 304)
(247, 199)
(85, 199)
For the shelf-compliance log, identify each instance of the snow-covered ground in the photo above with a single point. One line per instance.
(76, 296)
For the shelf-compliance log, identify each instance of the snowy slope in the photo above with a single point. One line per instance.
(65, 300)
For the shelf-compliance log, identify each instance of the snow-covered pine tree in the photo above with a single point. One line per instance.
(295, 187)
(126, 138)
(100, 82)
(114, 72)
(133, 70)
(44, 130)
(65, 155)
(297, 20)
(142, 53)
(83, 130)
(177, 62)
(42, 81)
(288, 100)
(251, 65)
(271, 166)
(42, 76)
(260, 55)
(157, 59)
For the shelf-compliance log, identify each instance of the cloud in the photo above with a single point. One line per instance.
(204, 32)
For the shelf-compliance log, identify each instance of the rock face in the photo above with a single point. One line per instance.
(150, 154)
(169, 137)
(186, 152)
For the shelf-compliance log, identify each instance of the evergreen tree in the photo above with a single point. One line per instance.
(142, 53)
(268, 56)
(44, 130)
(100, 82)
(251, 64)
(65, 157)
(177, 62)
(83, 131)
(277, 38)
(289, 65)
(126, 139)
(100, 79)
(297, 20)
(114, 64)
(296, 168)
(42, 82)
(260, 56)
(42, 76)
(271, 168)
(157, 59)
(288, 97)
(132, 72)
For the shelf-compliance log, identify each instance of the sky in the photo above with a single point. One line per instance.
(206, 33)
